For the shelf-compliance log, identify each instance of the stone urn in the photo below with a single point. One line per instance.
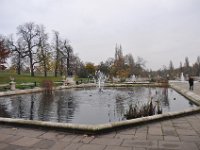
(12, 84)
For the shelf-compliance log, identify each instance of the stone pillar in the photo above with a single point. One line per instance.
(12, 85)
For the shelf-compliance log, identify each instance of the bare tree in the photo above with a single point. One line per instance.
(171, 66)
(57, 47)
(131, 63)
(69, 56)
(63, 55)
(44, 50)
(118, 68)
(196, 67)
(75, 63)
(187, 66)
(171, 69)
(119, 58)
(29, 35)
(4, 53)
(181, 67)
(139, 66)
(18, 52)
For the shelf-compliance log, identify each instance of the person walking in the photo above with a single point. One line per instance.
(191, 83)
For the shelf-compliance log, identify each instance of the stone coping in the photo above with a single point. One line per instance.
(93, 129)
(38, 89)
(188, 94)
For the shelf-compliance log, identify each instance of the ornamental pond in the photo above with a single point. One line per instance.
(88, 105)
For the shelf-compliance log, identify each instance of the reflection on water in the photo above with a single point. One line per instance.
(88, 106)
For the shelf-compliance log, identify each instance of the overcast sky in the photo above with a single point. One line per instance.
(156, 30)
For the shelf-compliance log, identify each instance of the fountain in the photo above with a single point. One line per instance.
(100, 79)
(182, 77)
(133, 78)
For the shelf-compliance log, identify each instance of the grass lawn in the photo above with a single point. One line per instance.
(25, 78)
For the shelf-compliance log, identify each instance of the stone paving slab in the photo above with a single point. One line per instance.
(92, 147)
(26, 141)
(181, 133)
(118, 148)
(59, 145)
(107, 141)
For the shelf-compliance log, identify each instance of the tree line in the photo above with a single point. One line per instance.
(32, 51)
(186, 68)
(32, 47)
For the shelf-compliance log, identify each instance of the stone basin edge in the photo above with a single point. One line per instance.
(99, 128)
(39, 89)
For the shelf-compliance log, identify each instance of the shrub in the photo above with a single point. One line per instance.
(47, 85)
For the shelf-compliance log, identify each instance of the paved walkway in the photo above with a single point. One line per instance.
(174, 134)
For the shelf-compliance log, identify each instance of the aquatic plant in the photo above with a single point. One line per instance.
(148, 109)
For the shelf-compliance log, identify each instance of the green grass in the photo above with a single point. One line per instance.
(25, 78)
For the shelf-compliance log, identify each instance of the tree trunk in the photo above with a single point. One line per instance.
(61, 67)
(32, 71)
(56, 69)
(19, 70)
(19, 65)
(31, 64)
(56, 73)
(68, 71)
(57, 56)
(45, 73)
(45, 69)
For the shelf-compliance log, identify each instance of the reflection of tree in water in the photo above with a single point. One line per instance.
(45, 107)
(162, 96)
(33, 98)
(165, 100)
(65, 105)
(131, 95)
(3, 110)
(120, 110)
(19, 106)
(58, 106)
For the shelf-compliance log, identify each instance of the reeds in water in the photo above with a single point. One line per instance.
(148, 109)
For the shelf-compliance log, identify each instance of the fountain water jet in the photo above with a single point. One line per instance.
(133, 78)
(182, 77)
(100, 80)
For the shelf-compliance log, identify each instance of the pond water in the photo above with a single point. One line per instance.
(88, 106)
